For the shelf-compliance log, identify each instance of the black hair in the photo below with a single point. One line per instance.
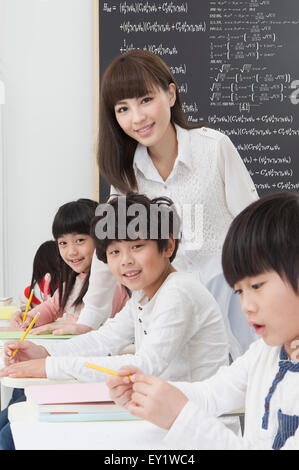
(264, 237)
(115, 218)
(46, 260)
(72, 217)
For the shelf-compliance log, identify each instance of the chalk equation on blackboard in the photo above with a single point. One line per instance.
(125, 8)
(155, 27)
(245, 119)
(265, 160)
(254, 33)
(280, 186)
(158, 49)
(255, 132)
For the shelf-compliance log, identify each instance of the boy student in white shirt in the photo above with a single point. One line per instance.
(261, 261)
(175, 322)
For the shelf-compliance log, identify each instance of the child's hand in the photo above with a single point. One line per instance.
(120, 387)
(155, 400)
(34, 368)
(16, 320)
(61, 328)
(26, 351)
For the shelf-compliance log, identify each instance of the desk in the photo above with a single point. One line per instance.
(7, 384)
(100, 435)
(105, 435)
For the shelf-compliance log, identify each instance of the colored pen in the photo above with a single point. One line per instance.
(27, 331)
(28, 305)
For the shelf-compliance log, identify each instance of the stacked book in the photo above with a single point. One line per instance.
(6, 311)
(67, 402)
(5, 301)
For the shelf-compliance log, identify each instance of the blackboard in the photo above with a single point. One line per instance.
(237, 66)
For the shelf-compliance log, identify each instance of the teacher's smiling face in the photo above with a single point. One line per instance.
(147, 119)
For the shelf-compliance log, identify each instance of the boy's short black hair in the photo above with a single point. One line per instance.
(115, 225)
(264, 237)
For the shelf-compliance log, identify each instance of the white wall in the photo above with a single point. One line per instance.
(46, 66)
(2, 99)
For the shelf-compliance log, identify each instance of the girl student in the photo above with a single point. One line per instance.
(71, 227)
(45, 273)
(145, 144)
(71, 231)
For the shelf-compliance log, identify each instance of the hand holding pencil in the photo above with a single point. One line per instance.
(32, 360)
(120, 383)
(20, 320)
(27, 331)
(27, 350)
(28, 305)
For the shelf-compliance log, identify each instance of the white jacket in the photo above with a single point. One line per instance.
(246, 384)
(179, 335)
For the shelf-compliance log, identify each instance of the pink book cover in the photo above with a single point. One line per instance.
(68, 393)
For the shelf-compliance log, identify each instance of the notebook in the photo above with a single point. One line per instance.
(68, 393)
(23, 382)
(19, 334)
(70, 402)
(24, 411)
(7, 311)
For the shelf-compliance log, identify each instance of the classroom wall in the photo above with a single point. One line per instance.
(46, 66)
(2, 97)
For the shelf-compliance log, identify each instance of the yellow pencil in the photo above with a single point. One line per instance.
(102, 369)
(28, 305)
(27, 331)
